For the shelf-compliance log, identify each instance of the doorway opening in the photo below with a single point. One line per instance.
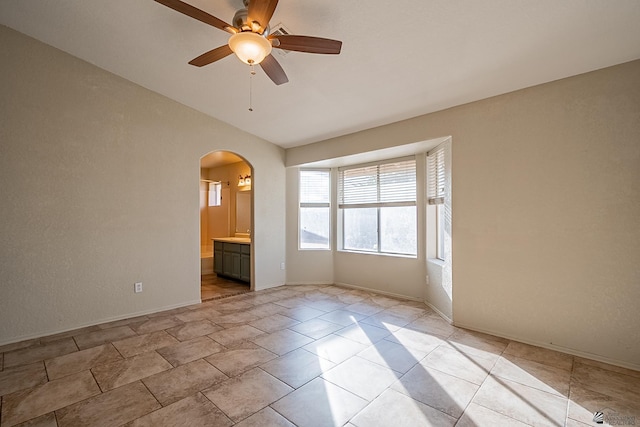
(226, 225)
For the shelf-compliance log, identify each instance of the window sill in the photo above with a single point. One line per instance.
(351, 251)
(437, 261)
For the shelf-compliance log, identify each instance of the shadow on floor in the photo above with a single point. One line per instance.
(213, 287)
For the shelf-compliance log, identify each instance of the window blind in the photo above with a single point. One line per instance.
(436, 177)
(314, 188)
(389, 183)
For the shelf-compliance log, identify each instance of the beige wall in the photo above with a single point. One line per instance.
(546, 211)
(99, 190)
(99, 183)
(304, 266)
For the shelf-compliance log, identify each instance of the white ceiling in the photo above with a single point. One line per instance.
(399, 59)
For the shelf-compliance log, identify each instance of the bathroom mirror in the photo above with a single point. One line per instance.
(243, 212)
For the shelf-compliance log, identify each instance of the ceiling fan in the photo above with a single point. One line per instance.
(250, 39)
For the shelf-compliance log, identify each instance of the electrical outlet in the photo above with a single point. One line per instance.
(137, 288)
(282, 266)
(426, 279)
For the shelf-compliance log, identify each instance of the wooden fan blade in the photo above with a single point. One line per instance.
(306, 44)
(273, 69)
(261, 11)
(198, 14)
(212, 56)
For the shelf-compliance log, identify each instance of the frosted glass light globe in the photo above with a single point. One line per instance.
(250, 48)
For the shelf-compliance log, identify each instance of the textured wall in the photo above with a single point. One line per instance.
(306, 266)
(546, 210)
(100, 190)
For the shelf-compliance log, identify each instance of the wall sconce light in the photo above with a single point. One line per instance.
(241, 181)
(247, 180)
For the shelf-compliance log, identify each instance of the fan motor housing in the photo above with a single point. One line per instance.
(241, 20)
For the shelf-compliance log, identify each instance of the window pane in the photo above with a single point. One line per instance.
(215, 190)
(360, 229)
(315, 211)
(314, 228)
(398, 230)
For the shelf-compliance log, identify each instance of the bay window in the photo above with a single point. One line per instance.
(377, 204)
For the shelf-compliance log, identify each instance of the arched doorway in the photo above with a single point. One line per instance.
(226, 225)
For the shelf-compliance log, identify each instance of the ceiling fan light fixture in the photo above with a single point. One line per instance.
(249, 47)
(251, 38)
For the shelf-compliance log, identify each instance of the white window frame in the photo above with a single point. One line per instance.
(437, 193)
(366, 201)
(214, 193)
(302, 205)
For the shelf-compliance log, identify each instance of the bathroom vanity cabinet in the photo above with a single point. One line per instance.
(232, 258)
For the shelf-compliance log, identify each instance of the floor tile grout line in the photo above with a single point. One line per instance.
(282, 415)
(55, 411)
(418, 362)
(502, 382)
(213, 403)
(573, 368)
(560, 395)
(431, 406)
(530, 359)
(46, 371)
(96, 380)
(152, 394)
(492, 410)
(479, 387)
(483, 382)
(571, 383)
(116, 348)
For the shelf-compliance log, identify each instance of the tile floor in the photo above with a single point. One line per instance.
(305, 356)
(214, 287)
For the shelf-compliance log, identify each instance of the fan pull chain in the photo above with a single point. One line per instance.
(251, 74)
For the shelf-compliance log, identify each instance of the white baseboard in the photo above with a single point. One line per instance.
(441, 314)
(561, 349)
(98, 322)
(264, 287)
(308, 283)
(376, 291)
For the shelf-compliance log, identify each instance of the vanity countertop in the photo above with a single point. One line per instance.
(244, 240)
